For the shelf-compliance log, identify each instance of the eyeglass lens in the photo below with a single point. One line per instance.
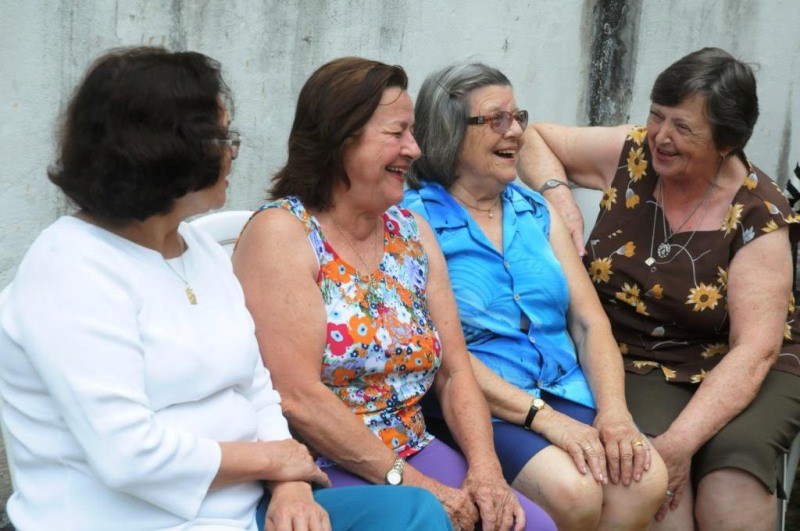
(501, 121)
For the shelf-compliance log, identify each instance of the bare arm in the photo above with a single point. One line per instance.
(601, 362)
(278, 270)
(463, 405)
(587, 156)
(757, 305)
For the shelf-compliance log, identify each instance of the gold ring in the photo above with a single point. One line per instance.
(637, 443)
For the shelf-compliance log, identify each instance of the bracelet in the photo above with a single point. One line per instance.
(549, 184)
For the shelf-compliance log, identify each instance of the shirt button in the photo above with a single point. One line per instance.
(507, 265)
(516, 296)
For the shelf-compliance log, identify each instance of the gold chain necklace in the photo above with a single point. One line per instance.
(366, 264)
(489, 211)
(189, 291)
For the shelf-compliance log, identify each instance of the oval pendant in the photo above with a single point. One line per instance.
(663, 249)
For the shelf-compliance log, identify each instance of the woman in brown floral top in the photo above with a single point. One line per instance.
(691, 258)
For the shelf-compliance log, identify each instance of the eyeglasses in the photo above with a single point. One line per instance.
(501, 120)
(233, 140)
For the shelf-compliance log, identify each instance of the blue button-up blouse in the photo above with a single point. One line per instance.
(513, 306)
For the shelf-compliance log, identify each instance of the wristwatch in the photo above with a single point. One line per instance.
(536, 406)
(395, 474)
(549, 184)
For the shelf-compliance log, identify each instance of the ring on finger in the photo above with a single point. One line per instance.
(637, 443)
(587, 447)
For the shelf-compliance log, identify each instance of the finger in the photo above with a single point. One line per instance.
(626, 452)
(676, 500)
(577, 239)
(487, 512)
(578, 457)
(662, 511)
(596, 458)
(300, 522)
(613, 456)
(519, 515)
(321, 478)
(641, 456)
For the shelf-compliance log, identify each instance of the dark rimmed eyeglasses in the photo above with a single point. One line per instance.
(233, 140)
(501, 120)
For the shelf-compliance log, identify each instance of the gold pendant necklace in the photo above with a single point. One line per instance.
(489, 211)
(190, 295)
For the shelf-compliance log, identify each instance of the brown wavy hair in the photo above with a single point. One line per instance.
(334, 105)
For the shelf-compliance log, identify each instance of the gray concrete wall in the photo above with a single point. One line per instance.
(574, 61)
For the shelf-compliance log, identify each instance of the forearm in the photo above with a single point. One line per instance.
(538, 163)
(243, 462)
(505, 401)
(468, 418)
(328, 426)
(724, 393)
(601, 362)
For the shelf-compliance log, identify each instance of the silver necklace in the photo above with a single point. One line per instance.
(189, 291)
(665, 247)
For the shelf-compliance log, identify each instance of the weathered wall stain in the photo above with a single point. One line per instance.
(613, 58)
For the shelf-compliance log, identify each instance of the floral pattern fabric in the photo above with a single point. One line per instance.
(382, 350)
(669, 310)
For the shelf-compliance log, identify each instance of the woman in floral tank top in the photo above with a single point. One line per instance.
(354, 313)
(691, 258)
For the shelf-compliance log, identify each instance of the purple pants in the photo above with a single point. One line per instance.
(447, 466)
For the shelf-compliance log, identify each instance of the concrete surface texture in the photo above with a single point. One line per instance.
(572, 61)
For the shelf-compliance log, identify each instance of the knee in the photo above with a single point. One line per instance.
(651, 489)
(633, 506)
(575, 501)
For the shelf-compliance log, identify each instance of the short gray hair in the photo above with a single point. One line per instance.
(440, 117)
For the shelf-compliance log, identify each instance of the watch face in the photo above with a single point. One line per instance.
(394, 477)
(538, 403)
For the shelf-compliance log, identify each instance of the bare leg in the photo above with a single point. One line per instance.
(729, 499)
(634, 506)
(550, 480)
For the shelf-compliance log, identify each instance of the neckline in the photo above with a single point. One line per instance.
(146, 253)
(376, 272)
(736, 197)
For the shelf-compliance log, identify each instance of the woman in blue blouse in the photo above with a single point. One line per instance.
(540, 343)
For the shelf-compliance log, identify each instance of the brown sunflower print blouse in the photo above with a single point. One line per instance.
(667, 303)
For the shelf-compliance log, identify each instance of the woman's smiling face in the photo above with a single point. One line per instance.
(681, 139)
(484, 153)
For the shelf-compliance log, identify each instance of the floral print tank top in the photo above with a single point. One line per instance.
(668, 307)
(382, 350)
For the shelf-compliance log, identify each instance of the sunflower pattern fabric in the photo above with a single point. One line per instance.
(381, 349)
(670, 313)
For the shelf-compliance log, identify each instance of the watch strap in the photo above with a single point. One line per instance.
(549, 184)
(532, 413)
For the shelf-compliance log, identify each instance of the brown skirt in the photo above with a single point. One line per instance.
(751, 442)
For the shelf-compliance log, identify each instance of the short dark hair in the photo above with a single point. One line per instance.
(440, 119)
(728, 85)
(136, 131)
(334, 105)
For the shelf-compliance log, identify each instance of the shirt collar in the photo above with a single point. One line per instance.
(444, 210)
